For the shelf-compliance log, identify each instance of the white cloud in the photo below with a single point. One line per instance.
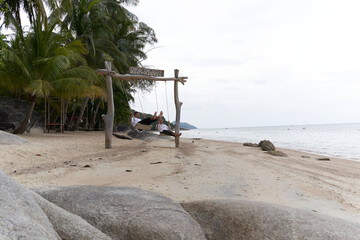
(259, 62)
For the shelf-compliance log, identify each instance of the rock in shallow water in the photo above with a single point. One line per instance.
(127, 213)
(243, 220)
(266, 145)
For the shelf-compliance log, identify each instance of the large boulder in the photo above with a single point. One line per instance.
(13, 112)
(237, 220)
(8, 138)
(266, 145)
(126, 213)
(69, 226)
(20, 215)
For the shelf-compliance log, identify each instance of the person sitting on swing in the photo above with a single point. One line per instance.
(163, 129)
(135, 119)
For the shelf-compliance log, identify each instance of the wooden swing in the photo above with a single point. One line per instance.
(140, 126)
(139, 73)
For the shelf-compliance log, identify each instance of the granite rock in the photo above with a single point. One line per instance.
(69, 226)
(127, 213)
(20, 215)
(244, 220)
(266, 145)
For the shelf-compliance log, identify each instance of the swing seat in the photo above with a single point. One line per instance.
(143, 127)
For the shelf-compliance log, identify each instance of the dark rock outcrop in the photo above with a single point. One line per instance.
(20, 215)
(127, 213)
(277, 153)
(266, 145)
(13, 112)
(243, 220)
(251, 145)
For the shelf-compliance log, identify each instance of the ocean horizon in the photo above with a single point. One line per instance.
(333, 140)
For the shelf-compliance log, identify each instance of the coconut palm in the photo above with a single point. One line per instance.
(33, 8)
(40, 63)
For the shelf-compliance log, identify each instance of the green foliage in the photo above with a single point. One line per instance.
(58, 55)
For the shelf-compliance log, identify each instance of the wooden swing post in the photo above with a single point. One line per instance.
(178, 108)
(138, 74)
(109, 117)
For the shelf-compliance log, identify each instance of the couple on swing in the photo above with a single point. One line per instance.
(161, 127)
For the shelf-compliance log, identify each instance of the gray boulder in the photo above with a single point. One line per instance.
(237, 220)
(126, 213)
(8, 138)
(20, 215)
(69, 226)
(266, 145)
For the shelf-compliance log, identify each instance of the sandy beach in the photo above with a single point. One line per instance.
(200, 169)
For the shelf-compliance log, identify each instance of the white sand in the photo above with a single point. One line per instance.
(200, 169)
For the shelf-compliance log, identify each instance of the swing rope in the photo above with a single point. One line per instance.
(140, 102)
(157, 105)
(167, 103)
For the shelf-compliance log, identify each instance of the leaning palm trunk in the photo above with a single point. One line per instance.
(23, 126)
(93, 121)
(78, 120)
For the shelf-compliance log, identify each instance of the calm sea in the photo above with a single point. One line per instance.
(338, 140)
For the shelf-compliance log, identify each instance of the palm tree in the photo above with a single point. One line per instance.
(41, 63)
(33, 8)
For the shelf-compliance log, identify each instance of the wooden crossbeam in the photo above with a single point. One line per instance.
(128, 77)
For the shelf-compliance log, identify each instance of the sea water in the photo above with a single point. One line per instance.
(338, 140)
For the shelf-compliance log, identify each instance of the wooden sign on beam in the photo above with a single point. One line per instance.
(146, 72)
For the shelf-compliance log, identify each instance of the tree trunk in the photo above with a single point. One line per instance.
(78, 120)
(72, 116)
(93, 121)
(65, 108)
(22, 128)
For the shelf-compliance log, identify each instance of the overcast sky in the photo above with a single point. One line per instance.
(256, 62)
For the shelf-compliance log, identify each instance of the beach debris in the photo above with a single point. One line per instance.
(323, 159)
(266, 145)
(155, 162)
(277, 153)
(126, 212)
(73, 165)
(100, 158)
(121, 136)
(38, 154)
(87, 166)
(305, 156)
(251, 144)
(128, 170)
(196, 138)
(197, 164)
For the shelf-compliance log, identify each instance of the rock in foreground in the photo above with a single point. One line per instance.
(243, 220)
(20, 215)
(127, 213)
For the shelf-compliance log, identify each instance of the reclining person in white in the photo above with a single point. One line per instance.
(163, 129)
